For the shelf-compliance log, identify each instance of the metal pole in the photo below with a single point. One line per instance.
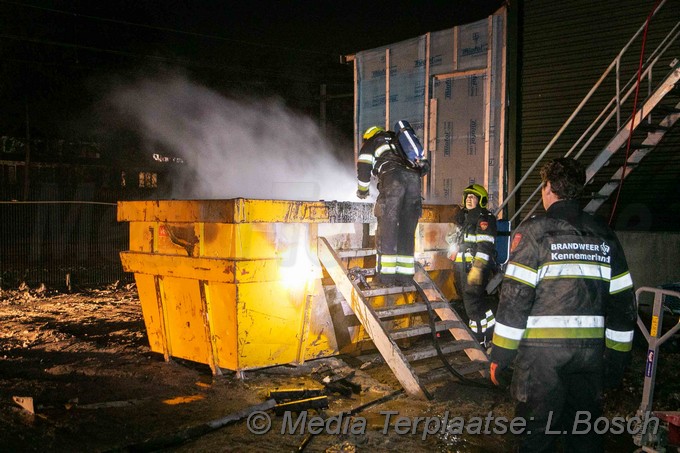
(27, 167)
(654, 341)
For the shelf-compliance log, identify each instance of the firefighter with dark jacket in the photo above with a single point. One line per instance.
(472, 249)
(399, 203)
(566, 316)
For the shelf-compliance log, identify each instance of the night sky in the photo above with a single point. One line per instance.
(60, 56)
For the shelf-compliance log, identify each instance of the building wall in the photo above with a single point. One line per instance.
(450, 86)
(653, 258)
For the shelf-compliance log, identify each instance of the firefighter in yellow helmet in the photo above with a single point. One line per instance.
(473, 252)
(399, 202)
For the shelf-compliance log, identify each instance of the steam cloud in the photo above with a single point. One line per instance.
(232, 148)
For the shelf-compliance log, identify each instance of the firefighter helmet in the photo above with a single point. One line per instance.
(371, 131)
(479, 191)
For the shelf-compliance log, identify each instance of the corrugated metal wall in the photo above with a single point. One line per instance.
(564, 49)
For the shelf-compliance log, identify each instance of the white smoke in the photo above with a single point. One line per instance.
(235, 148)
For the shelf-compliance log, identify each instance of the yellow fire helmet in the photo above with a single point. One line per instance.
(479, 191)
(371, 131)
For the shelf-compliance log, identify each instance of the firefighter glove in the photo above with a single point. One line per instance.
(474, 277)
(452, 252)
(424, 167)
(615, 363)
(362, 194)
(500, 375)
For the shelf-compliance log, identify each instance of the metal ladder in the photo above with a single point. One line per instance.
(373, 320)
(612, 111)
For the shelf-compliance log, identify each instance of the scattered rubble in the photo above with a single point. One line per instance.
(83, 361)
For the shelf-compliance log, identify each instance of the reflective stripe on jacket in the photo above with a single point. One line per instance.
(567, 279)
(477, 237)
(378, 154)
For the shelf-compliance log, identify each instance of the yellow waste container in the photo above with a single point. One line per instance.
(236, 283)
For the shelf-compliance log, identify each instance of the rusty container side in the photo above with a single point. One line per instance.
(210, 276)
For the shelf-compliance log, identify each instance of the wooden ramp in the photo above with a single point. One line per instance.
(373, 319)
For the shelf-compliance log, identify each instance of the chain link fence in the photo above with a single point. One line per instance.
(62, 244)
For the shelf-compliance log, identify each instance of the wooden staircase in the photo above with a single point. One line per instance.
(374, 321)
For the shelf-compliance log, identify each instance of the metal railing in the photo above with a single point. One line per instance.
(613, 108)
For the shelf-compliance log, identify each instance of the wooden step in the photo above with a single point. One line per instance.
(408, 309)
(472, 367)
(387, 291)
(400, 310)
(389, 350)
(428, 351)
(373, 320)
(423, 329)
(355, 253)
(425, 350)
(433, 295)
(441, 372)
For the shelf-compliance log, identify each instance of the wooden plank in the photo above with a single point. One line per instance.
(441, 373)
(395, 311)
(472, 367)
(433, 295)
(406, 309)
(475, 352)
(355, 253)
(369, 319)
(430, 351)
(424, 351)
(423, 329)
(464, 73)
(388, 291)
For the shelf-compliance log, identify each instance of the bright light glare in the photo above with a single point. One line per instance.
(299, 266)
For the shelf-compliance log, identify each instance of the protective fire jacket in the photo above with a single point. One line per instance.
(566, 283)
(477, 237)
(378, 154)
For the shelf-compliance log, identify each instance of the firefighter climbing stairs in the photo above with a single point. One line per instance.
(403, 361)
(655, 131)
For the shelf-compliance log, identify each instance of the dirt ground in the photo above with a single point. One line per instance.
(85, 362)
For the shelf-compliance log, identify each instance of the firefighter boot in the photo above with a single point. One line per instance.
(383, 281)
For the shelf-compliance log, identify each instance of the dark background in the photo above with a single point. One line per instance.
(59, 57)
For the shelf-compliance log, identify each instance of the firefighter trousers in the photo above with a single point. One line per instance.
(397, 208)
(557, 388)
(477, 307)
